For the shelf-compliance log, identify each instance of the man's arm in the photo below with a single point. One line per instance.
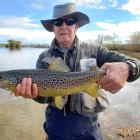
(119, 69)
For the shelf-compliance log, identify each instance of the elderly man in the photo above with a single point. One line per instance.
(77, 120)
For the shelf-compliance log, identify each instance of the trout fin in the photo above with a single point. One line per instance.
(60, 101)
(56, 64)
(92, 90)
(94, 68)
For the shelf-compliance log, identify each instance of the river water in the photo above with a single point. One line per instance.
(20, 118)
(23, 118)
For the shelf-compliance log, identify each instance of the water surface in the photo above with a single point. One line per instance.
(20, 118)
(23, 118)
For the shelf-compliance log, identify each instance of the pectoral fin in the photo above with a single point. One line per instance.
(92, 90)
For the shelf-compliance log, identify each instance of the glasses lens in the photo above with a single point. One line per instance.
(69, 21)
(58, 22)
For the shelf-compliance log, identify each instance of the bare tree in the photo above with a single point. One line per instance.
(134, 38)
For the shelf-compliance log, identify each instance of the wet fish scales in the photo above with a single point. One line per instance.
(54, 83)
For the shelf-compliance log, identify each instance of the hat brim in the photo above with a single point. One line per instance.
(81, 17)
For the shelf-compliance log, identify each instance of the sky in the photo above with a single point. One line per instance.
(20, 19)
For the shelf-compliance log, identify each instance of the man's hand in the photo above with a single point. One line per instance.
(116, 76)
(26, 89)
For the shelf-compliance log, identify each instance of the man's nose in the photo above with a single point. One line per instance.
(64, 25)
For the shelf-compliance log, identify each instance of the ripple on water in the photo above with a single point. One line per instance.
(20, 118)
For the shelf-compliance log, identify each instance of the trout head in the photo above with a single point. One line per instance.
(3, 82)
(7, 81)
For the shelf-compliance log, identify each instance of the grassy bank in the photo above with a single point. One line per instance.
(132, 50)
(130, 53)
(125, 47)
(2, 45)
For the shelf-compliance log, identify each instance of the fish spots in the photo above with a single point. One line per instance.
(53, 81)
(12, 80)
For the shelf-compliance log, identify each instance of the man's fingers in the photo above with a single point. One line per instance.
(28, 89)
(23, 87)
(17, 91)
(107, 78)
(34, 90)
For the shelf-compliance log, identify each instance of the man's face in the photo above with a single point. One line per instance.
(64, 30)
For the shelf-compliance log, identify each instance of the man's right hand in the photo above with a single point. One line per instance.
(26, 89)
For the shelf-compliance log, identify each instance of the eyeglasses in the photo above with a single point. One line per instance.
(68, 21)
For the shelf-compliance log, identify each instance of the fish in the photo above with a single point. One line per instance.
(52, 83)
(55, 82)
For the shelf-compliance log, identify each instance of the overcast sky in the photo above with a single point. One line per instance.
(20, 19)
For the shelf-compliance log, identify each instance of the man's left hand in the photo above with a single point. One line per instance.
(116, 76)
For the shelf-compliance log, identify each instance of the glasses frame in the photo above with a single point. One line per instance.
(68, 21)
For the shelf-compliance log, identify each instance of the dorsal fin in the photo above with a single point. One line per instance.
(56, 64)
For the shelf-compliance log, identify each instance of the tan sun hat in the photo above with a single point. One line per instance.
(68, 9)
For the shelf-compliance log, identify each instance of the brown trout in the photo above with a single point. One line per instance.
(54, 83)
(57, 81)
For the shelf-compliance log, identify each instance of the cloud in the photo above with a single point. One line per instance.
(98, 4)
(88, 3)
(92, 35)
(38, 5)
(23, 29)
(133, 6)
(122, 29)
(130, 26)
(26, 35)
(16, 22)
(113, 3)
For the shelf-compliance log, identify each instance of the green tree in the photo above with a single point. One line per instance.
(13, 44)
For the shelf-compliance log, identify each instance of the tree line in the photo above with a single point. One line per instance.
(114, 43)
(111, 42)
(14, 44)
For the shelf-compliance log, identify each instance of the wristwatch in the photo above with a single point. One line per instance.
(132, 69)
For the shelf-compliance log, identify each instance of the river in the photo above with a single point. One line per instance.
(20, 118)
(23, 118)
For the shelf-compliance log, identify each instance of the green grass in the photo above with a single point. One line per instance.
(2, 45)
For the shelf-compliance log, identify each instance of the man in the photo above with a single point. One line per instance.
(78, 118)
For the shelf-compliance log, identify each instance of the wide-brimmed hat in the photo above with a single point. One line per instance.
(65, 10)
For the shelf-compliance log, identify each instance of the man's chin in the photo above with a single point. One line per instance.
(65, 43)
